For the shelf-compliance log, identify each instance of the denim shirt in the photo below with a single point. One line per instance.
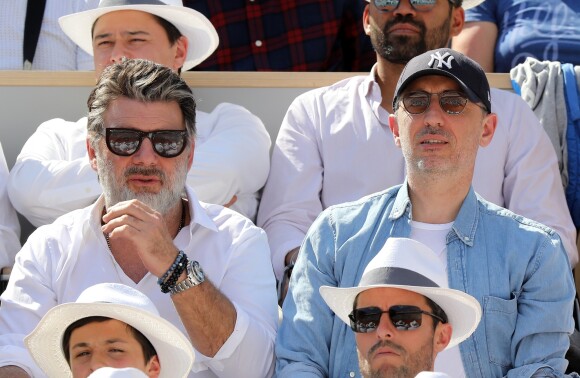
(516, 268)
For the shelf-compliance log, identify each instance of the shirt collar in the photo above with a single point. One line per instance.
(464, 226)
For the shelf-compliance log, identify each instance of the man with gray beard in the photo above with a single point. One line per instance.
(205, 267)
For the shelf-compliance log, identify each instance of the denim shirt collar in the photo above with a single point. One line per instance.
(464, 226)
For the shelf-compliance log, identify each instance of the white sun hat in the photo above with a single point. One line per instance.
(466, 3)
(202, 36)
(410, 265)
(115, 301)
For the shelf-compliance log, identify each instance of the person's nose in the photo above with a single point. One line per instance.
(404, 8)
(385, 329)
(146, 154)
(97, 362)
(434, 113)
(118, 53)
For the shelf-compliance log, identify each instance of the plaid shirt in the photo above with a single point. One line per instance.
(287, 35)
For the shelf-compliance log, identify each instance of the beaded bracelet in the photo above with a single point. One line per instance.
(171, 272)
(179, 256)
(172, 280)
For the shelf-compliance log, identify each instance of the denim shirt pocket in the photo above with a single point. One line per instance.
(500, 316)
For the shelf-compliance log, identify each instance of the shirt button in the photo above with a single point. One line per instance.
(258, 43)
(351, 374)
(466, 238)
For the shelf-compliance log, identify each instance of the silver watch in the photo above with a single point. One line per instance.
(195, 276)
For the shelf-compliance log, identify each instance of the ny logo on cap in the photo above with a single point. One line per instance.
(441, 60)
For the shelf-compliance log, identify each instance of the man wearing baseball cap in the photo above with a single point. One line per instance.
(335, 145)
(516, 268)
(52, 175)
(401, 311)
(63, 345)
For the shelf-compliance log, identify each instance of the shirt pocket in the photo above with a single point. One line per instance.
(500, 316)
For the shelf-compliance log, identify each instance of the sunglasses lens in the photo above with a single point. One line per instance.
(405, 318)
(387, 5)
(365, 320)
(423, 5)
(416, 103)
(452, 104)
(169, 143)
(123, 142)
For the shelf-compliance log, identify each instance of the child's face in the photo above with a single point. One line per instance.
(108, 343)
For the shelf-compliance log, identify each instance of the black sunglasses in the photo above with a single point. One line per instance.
(403, 317)
(125, 142)
(418, 5)
(451, 102)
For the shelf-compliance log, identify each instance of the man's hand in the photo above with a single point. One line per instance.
(289, 261)
(134, 226)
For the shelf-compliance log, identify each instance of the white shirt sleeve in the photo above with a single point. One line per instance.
(52, 174)
(232, 157)
(249, 284)
(532, 186)
(291, 198)
(9, 226)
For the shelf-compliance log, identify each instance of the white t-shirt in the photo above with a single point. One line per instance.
(434, 236)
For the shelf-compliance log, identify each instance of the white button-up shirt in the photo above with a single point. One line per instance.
(54, 51)
(9, 226)
(62, 259)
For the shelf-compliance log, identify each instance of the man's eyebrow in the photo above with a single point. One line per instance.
(127, 33)
(109, 341)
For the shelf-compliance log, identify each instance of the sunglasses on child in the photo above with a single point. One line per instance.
(451, 102)
(126, 142)
(418, 5)
(403, 317)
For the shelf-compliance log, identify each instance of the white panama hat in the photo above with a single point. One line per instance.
(202, 36)
(410, 265)
(118, 302)
(466, 3)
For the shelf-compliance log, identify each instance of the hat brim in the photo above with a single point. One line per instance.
(173, 349)
(201, 35)
(463, 311)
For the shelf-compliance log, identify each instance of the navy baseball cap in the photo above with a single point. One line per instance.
(446, 62)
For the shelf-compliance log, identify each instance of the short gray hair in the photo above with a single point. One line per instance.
(141, 80)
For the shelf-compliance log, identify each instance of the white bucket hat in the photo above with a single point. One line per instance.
(466, 3)
(410, 265)
(202, 36)
(118, 302)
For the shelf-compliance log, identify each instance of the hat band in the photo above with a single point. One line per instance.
(395, 276)
(118, 3)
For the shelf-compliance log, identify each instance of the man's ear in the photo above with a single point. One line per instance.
(180, 52)
(191, 153)
(153, 367)
(441, 337)
(488, 129)
(92, 155)
(366, 20)
(394, 126)
(457, 21)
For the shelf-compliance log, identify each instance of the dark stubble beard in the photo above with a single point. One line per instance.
(412, 364)
(400, 49)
